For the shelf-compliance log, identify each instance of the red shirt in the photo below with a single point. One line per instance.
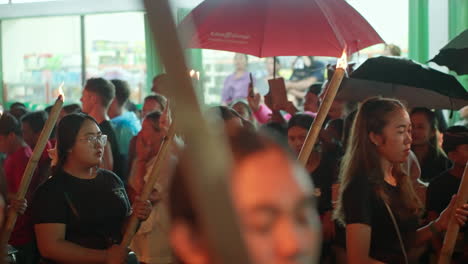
(14, 167)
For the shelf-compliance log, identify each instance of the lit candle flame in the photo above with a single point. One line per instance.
(343, 61)
(60, 90)
(192, 73)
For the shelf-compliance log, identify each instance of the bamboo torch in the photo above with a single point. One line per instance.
(330, 94)
(208, 156)
(160, 158)
(453, 228)
(32, 163)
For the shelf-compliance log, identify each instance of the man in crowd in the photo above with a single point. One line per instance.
(97, 96)
(126, 123)
(18, 154)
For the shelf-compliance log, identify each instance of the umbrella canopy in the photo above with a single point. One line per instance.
(455, 54)
(409, 73)
(357, 90)
(267, 28)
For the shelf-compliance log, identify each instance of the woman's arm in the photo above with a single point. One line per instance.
(52, 245)
(441, 223)
(358, 238)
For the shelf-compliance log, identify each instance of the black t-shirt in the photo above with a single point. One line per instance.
(119, 164)
(433, 165)
(323, 178)
(93, 210)
(362, 205)
(440, 191)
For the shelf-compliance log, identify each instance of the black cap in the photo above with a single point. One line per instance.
(453, 137)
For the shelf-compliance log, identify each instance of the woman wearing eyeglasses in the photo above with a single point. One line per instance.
(81, 211)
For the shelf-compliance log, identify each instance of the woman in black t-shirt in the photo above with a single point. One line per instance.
(79, 213)
(374, 187)
(425, 145)
(322, 168)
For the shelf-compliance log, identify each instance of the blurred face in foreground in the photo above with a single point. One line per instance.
(277, 209)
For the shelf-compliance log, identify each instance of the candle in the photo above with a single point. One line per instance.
(453, 227)
(32, 164)
(148, 187)
(330, 94)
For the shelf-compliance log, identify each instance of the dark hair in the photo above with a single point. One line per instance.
(72, 108)
(17, 104)
(103, 88)
(301, 120)
(36, 120)
(18, 111)
(67, 130)
(48, 109)
(243, 143)
(122, 91)
(337, 125)
(278, 133)
(453, 137)
(244, 103)
(315, 88)
(131, 106)
(224, 112)
(9, 124)
(158, 98)
(433, 125)
(154, 118)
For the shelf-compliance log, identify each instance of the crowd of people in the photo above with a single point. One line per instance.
(379, 186)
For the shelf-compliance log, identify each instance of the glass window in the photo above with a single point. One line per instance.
(115, 49)
(382, 17)
(38, 55)
(30, 1)
(217, 65)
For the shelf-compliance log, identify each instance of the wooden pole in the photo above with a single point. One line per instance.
(148, 187)
(453, 227)
(314, 130)
(32, 164)
(208, 156)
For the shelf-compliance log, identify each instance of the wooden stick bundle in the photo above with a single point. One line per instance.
(314, 130)
(453, 228)
(208, 155)
(148, 187)
(31, 167)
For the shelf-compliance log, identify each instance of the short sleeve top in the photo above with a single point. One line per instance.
(93, 210)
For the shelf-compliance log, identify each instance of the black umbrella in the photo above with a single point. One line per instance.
(410, 73)
(455, 54)
(357, 90)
